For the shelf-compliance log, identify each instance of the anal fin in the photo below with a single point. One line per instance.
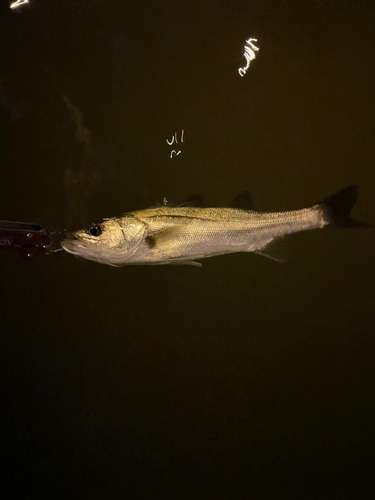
(268, 250)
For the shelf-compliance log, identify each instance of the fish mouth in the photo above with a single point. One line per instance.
(74, 244)
(82, 247)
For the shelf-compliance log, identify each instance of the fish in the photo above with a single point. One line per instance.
(189, 232)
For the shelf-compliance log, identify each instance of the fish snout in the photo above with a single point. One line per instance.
(70, 235)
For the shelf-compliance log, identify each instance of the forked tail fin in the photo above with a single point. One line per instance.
(337, 208)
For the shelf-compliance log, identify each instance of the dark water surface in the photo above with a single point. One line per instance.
(242, 379)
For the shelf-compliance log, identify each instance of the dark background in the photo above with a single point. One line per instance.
(242, 379)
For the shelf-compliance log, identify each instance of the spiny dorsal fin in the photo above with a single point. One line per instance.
(193, 201)
(244, 201)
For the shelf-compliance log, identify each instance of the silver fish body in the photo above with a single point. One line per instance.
(180, 235)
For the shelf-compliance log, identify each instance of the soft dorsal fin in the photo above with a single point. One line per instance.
(244, 201)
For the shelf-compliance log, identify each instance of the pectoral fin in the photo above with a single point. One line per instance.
(160, 239)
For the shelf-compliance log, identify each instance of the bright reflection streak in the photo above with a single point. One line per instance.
(176, 153)
(17, 4)
(249, 55)
(175, 139)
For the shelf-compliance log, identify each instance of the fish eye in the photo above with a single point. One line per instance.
(95, 230)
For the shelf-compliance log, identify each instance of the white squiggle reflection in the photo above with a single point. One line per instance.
(17, 4)
(175, 139)
(174, 152)
(249, 55)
